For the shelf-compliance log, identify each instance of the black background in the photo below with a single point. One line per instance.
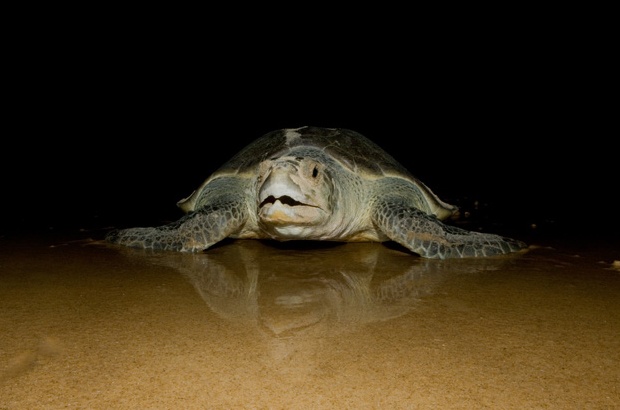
(111, 130)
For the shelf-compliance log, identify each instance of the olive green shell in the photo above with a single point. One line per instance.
(350, 148)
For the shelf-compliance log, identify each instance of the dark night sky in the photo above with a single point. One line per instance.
(103, 136)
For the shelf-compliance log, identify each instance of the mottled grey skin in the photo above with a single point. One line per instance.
(316, 184)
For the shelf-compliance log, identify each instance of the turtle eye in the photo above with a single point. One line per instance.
(315, 172)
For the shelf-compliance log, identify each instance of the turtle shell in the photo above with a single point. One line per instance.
(350, 148)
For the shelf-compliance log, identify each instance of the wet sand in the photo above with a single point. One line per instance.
(253, 324)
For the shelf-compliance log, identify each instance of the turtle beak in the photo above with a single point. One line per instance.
(279, 186)
(284, 200)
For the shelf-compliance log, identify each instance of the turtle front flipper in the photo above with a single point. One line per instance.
(430, 238)
(194, 232)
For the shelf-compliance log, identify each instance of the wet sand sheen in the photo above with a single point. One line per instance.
(252, 324)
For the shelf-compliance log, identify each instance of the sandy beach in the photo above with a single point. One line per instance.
(253, 324)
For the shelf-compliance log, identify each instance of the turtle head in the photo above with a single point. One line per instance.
(294, 197)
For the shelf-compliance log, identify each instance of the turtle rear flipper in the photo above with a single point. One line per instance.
(430, 238)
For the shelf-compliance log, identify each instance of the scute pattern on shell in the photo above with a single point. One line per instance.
(358, 152)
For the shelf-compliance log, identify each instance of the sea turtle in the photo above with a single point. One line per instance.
(311, 183)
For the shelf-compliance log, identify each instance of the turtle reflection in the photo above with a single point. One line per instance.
(286, 289)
